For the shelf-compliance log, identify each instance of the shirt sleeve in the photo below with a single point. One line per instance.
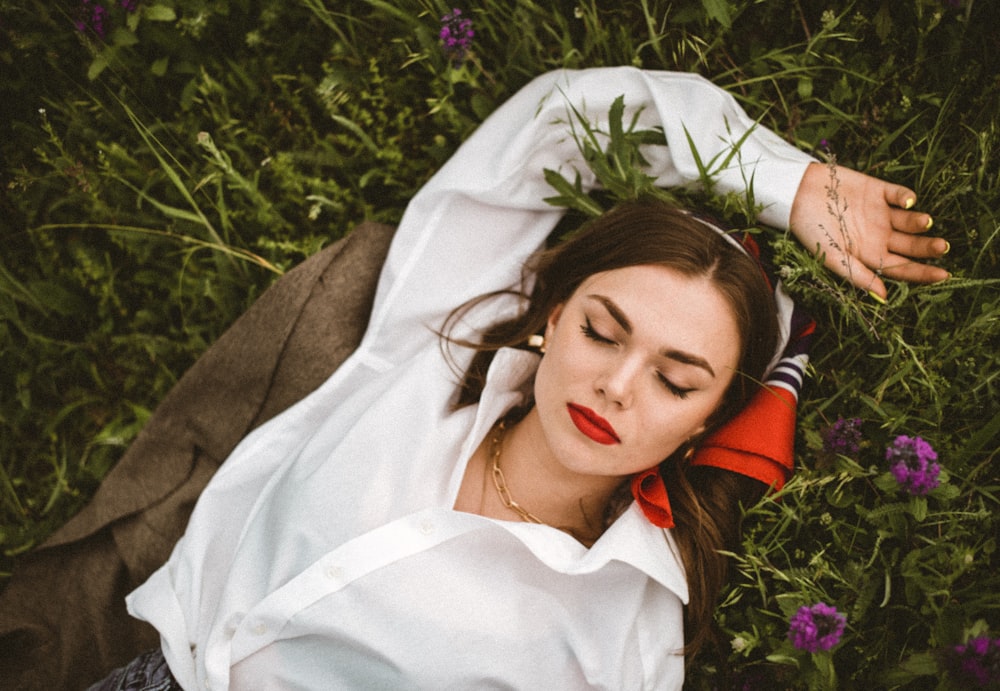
(468, 230)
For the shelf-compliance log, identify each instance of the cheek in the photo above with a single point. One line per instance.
(551, 376)
(562, 354)
(679, 422)
(674, 432)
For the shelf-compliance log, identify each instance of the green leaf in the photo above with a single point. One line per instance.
(913, 667)
(719, 11)
(986, 434)
(159, 13)
(805, 87)
(782, 659)
(16, 290)
(57, 297)
(159, 67)
(98, 65)
(123, 37)
(571, 195)
(883, 22)
(918, 508)
(358, 132)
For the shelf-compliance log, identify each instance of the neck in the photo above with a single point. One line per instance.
(549, 490)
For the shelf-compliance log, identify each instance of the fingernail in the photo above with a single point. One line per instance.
(947, 248)
(877, 298)
(910, 201)
(930, 223)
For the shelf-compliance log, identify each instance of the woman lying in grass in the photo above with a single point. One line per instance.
(527, 490)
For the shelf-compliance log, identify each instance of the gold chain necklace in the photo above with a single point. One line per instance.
(496, 446)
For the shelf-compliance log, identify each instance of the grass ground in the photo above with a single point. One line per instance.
(164, 160)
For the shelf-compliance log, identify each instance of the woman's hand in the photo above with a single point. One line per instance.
(864, 228)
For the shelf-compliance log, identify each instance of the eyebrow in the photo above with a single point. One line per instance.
(671, 353)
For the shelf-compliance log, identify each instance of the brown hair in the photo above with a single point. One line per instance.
(705, 501)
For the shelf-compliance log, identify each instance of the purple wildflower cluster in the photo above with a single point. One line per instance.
(817, 627)
(456, 35)
(93, 16)
(843, 437)
(976, 663)
(912, 461)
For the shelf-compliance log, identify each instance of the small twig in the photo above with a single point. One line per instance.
(802, 18)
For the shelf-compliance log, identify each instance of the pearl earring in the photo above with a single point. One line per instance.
(537, 341)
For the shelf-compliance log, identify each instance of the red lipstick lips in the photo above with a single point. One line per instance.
(593, 425)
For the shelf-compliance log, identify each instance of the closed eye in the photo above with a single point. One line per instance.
(590, 332)
(673, 388)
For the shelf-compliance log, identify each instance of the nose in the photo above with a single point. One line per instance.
(617, 382)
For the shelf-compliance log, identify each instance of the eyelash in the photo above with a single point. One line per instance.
(590, 332)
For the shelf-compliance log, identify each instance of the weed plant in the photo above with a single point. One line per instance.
(165, 160)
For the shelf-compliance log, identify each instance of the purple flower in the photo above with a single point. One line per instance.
(843, 436)
(97, 20)
(456, 35)
(816, 628)
(91, 16)
(976, 663)
(129, 5)
(912, 462)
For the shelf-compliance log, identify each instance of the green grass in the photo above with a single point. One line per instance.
(157, 180)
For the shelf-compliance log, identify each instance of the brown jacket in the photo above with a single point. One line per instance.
(63, 623)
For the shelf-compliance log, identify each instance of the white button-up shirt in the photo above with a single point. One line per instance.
(326, 554)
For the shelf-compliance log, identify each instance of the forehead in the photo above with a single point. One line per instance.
(664, 305)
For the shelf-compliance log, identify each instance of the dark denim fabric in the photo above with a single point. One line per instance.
(148, 672)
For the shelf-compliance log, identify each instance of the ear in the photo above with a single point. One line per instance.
(553, 320)
(709, 427)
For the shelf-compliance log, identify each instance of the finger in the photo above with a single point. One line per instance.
(910, 221)
(897, 195)
(917, 246)
(905, 269)
(857, 274)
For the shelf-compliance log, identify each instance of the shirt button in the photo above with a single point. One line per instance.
(334, 572)
(426, 526)
(260, 629)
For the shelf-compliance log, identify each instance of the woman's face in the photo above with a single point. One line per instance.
(637, 359)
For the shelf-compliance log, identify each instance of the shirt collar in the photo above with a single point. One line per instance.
(508, 384)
